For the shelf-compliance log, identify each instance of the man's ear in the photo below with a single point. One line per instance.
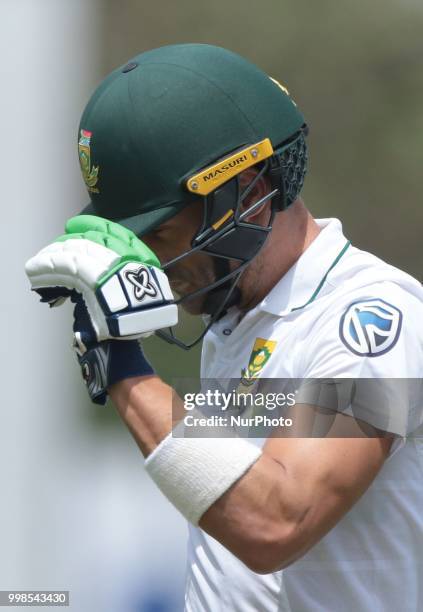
(260, 189)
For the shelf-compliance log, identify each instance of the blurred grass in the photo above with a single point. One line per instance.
(169, 360)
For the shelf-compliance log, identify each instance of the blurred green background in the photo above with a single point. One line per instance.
(354, 69)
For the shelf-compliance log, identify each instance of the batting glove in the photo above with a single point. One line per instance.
(119, 292)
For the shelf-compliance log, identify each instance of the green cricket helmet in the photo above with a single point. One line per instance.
(179, 124)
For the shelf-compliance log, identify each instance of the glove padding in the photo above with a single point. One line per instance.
(118, 277)
(119, 293)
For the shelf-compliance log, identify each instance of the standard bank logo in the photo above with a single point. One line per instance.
(370, 327)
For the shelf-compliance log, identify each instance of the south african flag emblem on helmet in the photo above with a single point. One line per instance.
(90, 173)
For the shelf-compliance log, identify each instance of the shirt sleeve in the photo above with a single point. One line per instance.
(372, 343)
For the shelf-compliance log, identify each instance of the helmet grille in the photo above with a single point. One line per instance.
(294, 160)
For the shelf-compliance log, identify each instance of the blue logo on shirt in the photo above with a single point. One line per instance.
(370, 327)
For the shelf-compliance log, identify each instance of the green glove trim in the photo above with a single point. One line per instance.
(114, 237)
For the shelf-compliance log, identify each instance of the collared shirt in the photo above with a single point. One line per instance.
(339, 312)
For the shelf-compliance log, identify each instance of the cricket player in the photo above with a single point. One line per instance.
(194, 160)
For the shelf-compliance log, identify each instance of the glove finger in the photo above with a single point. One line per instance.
(75, 265)
(130, 247)
(54, 296)
(85, 223)
(71, 264)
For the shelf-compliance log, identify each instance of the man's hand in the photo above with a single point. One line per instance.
(118, 277)
(119, 291)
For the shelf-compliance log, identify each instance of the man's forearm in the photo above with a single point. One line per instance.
(248, 519)
(276, 508)
(145, 405)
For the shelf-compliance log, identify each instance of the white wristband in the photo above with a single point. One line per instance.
(194, 472)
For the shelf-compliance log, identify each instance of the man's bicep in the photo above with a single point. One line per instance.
(326, 476)
(292, 496)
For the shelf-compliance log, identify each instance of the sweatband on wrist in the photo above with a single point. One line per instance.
(126, 361)
(109, 362)
(194, 472)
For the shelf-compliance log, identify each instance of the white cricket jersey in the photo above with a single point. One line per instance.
(338, 312)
